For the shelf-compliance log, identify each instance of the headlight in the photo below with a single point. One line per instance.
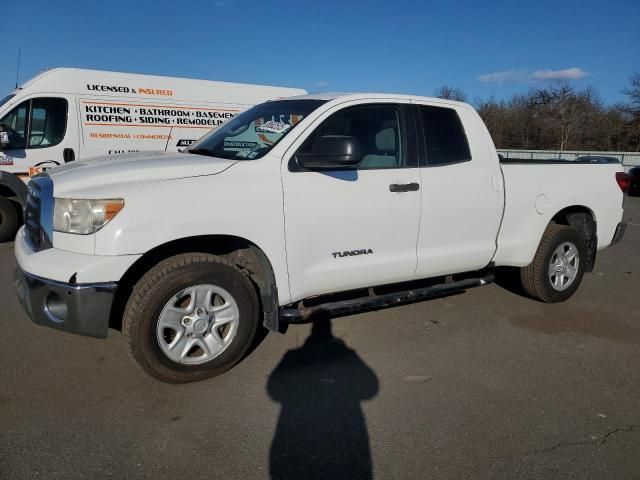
(83, 217)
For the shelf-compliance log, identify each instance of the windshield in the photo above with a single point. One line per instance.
(6, 99)
(253, 133)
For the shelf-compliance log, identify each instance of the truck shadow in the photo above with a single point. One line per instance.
(509, 279)
(321, 431)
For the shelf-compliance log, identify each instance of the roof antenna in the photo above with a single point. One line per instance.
(18, 67)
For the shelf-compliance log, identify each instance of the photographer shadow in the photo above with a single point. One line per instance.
(321, 431)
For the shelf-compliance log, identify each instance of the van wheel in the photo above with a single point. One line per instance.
(8, 219)
(558, 267)
(191, 317)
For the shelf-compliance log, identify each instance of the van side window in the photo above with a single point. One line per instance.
(37, 123)
(446, 141)
(15, 124)
(377, 129)
(48, 122)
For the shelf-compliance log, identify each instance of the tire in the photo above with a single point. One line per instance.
(173, 291)
(8, 219)
(542, 279)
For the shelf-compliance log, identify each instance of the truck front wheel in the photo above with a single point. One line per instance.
(191, 317)
(8, 219)
(558, 267)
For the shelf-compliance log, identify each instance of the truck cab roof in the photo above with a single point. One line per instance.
(347, 96)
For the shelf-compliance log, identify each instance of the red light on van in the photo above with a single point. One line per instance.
(624, 181)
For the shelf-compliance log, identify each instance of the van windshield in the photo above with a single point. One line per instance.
(6, 99)
(253, 133)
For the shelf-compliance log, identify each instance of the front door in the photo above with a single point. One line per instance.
(353, 228)
(40, 135)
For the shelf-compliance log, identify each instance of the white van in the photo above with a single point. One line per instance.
(66, 114)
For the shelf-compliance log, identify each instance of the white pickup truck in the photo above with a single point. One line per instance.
(380, 198)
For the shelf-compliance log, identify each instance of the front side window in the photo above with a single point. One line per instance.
(15, 124)
(36, 123)
(253, 133)
(377, 128)
(446, 141)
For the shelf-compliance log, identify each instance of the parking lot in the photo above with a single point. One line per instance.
(487, 384)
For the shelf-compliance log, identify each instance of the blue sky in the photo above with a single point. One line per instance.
(484, 47)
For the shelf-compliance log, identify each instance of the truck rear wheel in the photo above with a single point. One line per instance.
(8, 219)
(191, 317)
(558, 267)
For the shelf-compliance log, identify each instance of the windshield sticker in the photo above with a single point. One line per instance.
(237, 144)
(273, 127)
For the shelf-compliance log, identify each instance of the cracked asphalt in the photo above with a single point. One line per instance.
(487, 384)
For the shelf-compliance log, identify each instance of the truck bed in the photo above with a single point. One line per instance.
(537, 190)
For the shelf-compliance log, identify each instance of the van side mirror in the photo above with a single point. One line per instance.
(331, 152)
(4, 137)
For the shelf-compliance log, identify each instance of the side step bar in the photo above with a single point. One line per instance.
(305, 314)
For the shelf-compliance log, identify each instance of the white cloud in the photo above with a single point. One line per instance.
(321, 84)
(551, 75)
(513, 75)
(523, 75)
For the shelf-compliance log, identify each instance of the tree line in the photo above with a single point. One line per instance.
(560, 117)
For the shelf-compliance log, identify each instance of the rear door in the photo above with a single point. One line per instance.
(349, 229)
(462, 198)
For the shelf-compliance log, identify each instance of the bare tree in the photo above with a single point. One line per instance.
(633, 92)
(561, 117)
(450, 93)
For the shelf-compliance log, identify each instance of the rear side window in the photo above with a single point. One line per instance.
(48, 122)
(444, 136)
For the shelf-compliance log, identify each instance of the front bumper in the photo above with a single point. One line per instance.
(83, 309)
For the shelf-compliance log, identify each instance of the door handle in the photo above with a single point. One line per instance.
(68, 155)
(404, 187)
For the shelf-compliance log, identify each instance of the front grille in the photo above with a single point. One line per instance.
(38, 212)
(32, 216)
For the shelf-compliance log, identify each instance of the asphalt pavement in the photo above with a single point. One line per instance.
(487, 384)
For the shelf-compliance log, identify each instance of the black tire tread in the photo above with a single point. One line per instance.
(145, 286)
(533, 275)
(8, 219)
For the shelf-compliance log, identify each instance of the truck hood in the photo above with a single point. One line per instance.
(134, 168)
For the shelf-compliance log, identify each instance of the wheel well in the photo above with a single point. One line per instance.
(7, 192)
(241, 252)
(14, 198)
(13, 187)
(584, 221)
